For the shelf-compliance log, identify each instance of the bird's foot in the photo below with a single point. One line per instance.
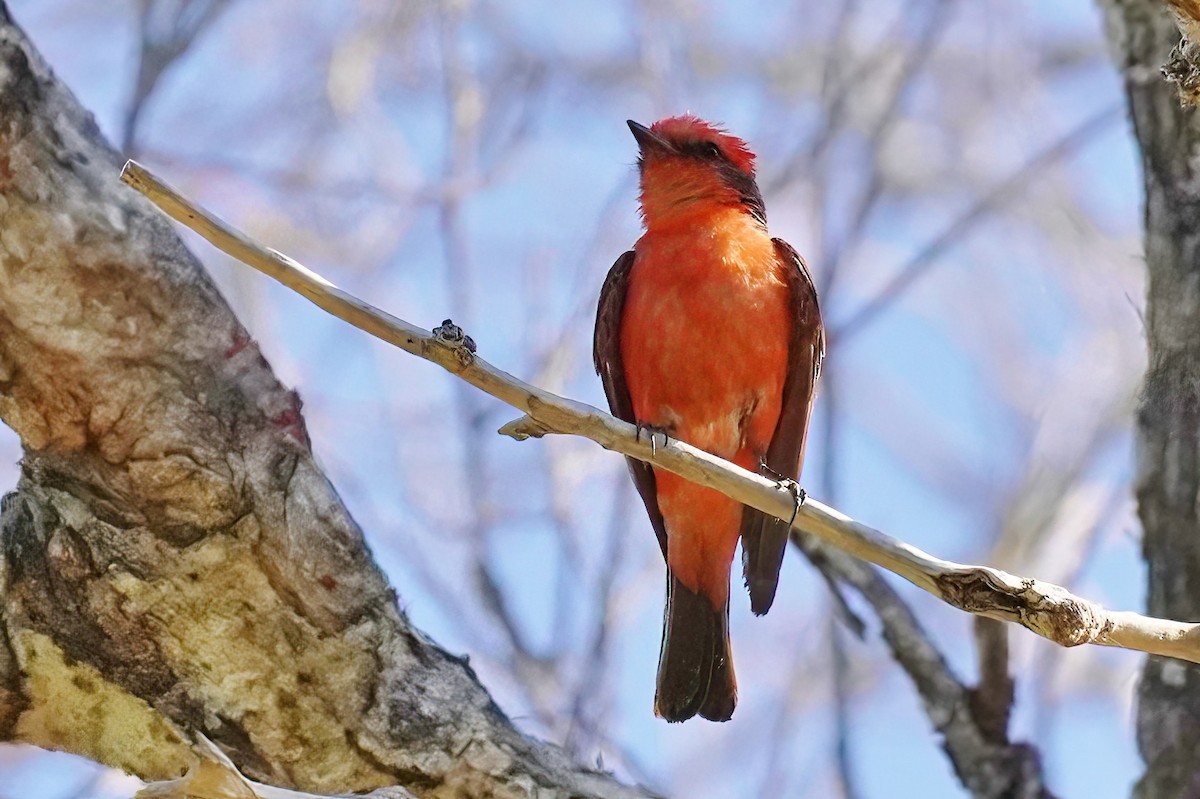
(789, 485)
(798, 496)
(452, 335)
(652, 431)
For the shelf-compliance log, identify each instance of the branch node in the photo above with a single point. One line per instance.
(524, 428)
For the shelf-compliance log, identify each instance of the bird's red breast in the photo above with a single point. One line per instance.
(705, 341)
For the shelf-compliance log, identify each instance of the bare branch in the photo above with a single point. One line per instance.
(1046, 609)
(991, 701)
(988, 768)
(841, 704)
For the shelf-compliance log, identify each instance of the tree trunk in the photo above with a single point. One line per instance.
(172, 558)
(1168, 419)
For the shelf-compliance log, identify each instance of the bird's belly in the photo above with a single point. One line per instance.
(705, 350)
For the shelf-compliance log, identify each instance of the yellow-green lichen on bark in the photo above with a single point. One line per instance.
(248, 656)
(73, 708)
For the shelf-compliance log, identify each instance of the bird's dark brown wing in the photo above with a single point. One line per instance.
(764, 538)
(607, 354)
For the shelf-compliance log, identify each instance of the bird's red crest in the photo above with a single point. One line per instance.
(691, 128)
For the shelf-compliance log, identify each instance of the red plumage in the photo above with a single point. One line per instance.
(709, 331)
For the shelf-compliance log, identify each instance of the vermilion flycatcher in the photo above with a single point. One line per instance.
(708, 331)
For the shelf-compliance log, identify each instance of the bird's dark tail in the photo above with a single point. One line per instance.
(764, 540)
(695, 666)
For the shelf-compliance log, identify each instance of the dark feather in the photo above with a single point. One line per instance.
(742, 181)
(748, 193)
(695, 664)
(606, 352)
(764, 538)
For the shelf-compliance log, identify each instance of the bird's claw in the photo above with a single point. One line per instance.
(798, 496)
(652, 431)
(789, 485)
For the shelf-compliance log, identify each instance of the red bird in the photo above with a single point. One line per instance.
(708, 331)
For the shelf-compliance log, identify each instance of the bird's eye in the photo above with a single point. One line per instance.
(712, 150)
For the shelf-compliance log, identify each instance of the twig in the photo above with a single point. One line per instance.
(986, 767)
(992, 698)
(843, 752)
(1046, 609)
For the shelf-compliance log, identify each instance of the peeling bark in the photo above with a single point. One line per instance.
(172, 559)
(1168, 420)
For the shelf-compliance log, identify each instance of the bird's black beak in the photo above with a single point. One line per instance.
(648, 141)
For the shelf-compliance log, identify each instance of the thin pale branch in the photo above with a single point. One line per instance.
(1046, 609)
